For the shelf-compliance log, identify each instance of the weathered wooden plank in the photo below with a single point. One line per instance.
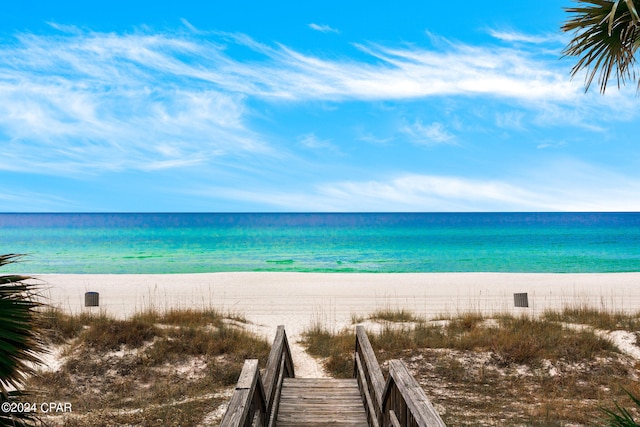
(337, 384)
(320, 405)
(338, 389)
(297, 409)
(371, 365)
(320, 402)
(322, 393)
(323, 424)
(248, 400)
(274, 401)
(394, 419)
(248, 375)
(357, 402)
(292, 408)
(279, 366)
(237, 405)
(316, 390)
(322, 415)
(273, 363)
(411, 394)
(339, 421)
(279, 350)
(308, 398)
(302, 392)
(370, 407)
(318, 393)
(335, 420)
(369, 376)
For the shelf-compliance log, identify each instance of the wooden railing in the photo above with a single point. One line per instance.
(404, 403)
(247, 406)
(370, 380)
(400, 402)
(255, 403)
(279, 367)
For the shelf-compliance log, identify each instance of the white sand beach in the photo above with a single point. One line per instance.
(297, 299)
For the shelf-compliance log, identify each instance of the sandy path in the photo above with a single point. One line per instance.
(305, 365)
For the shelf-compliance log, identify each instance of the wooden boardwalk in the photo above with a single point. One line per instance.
(320, 402)
(366, 400)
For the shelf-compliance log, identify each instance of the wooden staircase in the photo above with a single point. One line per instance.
(321, 402)
(366, 400)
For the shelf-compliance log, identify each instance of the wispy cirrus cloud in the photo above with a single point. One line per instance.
(431, 134)
(510, 119)
(392, 73)
(323, 28)
(516, 36)
(92, 101)
(312, 142)
(412, 192)
(15, 199)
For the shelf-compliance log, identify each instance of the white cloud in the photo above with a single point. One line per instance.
(323, 28)
(432, 134)
(285, 73)
(24, 200)
(372, 139)
(431, 193)
(515, 36)
(95, 101)
(566, 186)
(510, 120)
(189, 25)
(313, 142)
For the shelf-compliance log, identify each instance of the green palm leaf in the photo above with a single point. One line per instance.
(606, 38)
(621, 417)
(19, 340)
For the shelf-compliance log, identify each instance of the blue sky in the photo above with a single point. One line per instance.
(288, 106)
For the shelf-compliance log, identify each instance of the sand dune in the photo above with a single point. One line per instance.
(297, 299)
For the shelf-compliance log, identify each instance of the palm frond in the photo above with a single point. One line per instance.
(621, 417)
(19, 341)
(606, 38)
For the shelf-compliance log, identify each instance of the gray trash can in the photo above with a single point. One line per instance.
(91, 299)
(521, 300)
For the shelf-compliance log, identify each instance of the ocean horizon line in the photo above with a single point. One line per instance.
(309, 212)
(560, 242)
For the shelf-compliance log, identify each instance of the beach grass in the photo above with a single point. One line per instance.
(503, 369)
(602, 319)
(153, 368)
(393, 315)
(335, 348)
(176, 367)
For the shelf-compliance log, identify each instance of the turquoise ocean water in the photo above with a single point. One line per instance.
(385, 242)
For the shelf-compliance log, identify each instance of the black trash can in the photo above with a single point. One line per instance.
(521, 300)
(91, 299)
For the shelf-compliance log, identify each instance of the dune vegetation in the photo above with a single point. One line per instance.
(170, 369)
(559, 369)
